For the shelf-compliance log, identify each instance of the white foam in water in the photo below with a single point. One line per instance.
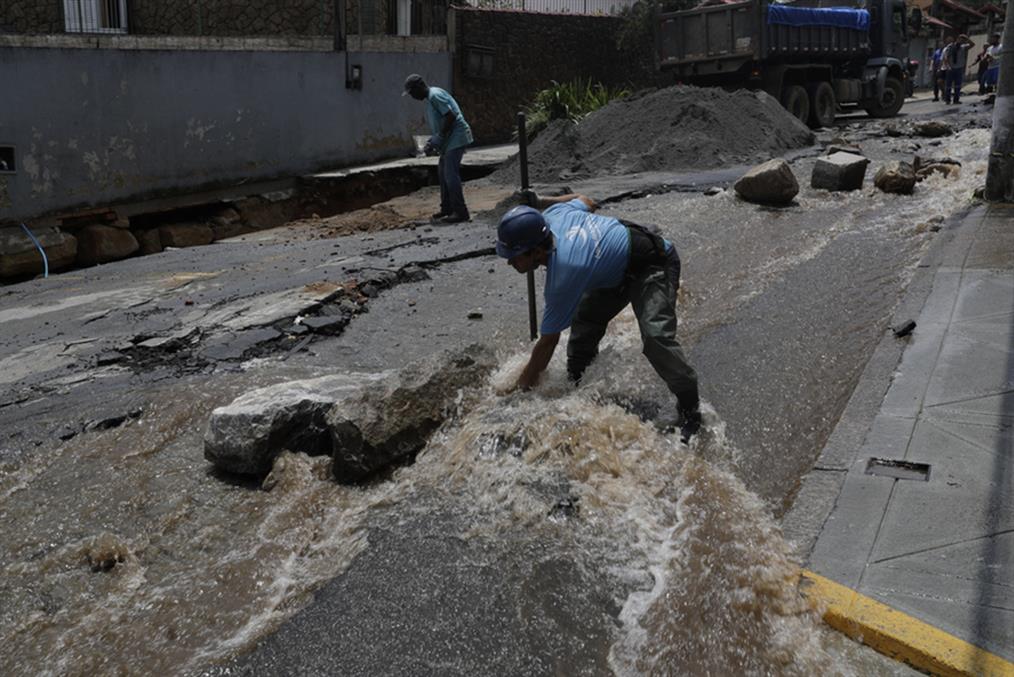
(654, 511)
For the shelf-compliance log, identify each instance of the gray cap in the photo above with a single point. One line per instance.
(411, 81)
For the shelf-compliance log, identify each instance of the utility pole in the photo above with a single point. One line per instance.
(1000, 175)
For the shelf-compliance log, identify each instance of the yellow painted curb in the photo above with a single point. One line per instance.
(899, 635)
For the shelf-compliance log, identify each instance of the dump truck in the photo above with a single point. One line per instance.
(815, 60)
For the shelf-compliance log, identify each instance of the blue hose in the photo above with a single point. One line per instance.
(45, 261)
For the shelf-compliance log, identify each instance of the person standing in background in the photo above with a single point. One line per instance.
(993, 69)
(981, 66)
(449, 136)
(954, 62)
(938, 78)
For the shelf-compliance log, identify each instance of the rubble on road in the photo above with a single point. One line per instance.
(932, 129)
(366, 421)
(843, 147)
(245, 437)
(925, 167)
(896, 177)
(389, 423)
(840, 171)
(770, 183)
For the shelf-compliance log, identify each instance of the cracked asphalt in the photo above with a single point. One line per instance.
(781, 311)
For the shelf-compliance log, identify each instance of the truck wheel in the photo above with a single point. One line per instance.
(797, 102)
(890, 103)
(822, 104)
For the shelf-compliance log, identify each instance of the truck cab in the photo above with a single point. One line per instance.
(891, 36)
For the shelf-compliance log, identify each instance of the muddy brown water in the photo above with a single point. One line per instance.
(202, 567)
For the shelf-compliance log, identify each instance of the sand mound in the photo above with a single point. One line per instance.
(670, 129)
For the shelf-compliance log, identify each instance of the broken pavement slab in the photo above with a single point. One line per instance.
(389, 423)
(368, 421)
(839, 171)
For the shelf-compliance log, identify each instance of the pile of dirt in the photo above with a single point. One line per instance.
(671, 129)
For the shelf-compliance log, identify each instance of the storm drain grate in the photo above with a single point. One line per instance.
(902, 470)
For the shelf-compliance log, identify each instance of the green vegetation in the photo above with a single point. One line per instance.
(638, 22)
(568, 101)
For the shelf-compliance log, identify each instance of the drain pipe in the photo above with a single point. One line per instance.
(45, 260)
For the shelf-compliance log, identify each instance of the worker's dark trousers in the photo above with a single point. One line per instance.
(653, 296)
(952, 84)
(452, 197)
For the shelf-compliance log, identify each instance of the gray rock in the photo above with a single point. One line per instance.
(895, 177)
(843, 148)
(245, 437)
(932, 128)
(841, 171)
(365, 421)
(102, 244)
(770, 183)
(390, 423)
(329, 324)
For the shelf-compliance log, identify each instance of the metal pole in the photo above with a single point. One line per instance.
(1000, 174)
(533, 325)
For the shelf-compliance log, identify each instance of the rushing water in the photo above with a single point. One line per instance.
(123, 554)
(202, 573)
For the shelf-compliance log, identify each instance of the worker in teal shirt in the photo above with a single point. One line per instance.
(450, 135)
(595, 266)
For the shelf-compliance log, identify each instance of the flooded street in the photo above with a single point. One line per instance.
(551, 532)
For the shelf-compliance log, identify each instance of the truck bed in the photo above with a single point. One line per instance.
(721, 38)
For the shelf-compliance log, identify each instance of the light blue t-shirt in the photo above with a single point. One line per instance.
(438, 104)
(591, 253)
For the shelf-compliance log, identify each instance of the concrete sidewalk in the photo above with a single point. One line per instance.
(475, 156)
(935, 540)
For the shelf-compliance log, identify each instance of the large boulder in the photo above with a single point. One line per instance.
(840, 171)
(391, 423)
(19, 256)
(185, 235)
(101, 244)
(895, 177)
(770, 183)
(245, 437)
(149, 240)
(365, 421)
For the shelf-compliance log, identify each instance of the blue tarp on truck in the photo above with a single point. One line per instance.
(841, 17)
